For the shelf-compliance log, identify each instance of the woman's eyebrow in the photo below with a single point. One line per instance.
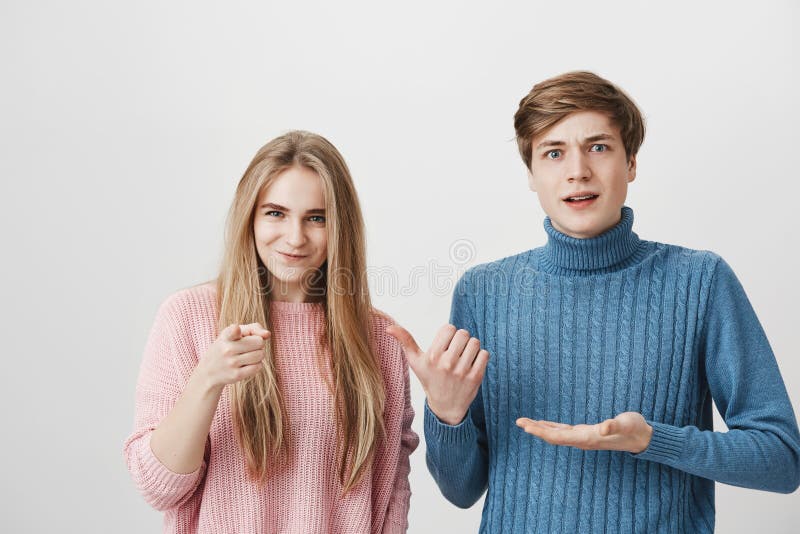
(278, 207)
(274, 206)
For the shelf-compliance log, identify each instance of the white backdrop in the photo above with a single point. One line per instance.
(124, 128)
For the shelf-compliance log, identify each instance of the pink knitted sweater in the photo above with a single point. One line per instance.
(304, 495)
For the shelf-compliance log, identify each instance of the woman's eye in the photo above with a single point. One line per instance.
(553, 154)
(317, 219)
(599, 148)
(273, 213)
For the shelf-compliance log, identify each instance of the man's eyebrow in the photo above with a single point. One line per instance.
(599, 137)
(591, 139)
(278, 207)
(550, 142)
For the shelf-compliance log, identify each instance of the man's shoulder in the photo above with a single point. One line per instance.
(528, 261)
(515, 262)
(492, 275)
(687, 257)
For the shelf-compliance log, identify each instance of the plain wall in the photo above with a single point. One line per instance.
(124, 128)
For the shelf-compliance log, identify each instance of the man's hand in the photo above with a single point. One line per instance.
(626, 432)
(450, 371)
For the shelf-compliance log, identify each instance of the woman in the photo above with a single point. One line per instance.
(313, 431)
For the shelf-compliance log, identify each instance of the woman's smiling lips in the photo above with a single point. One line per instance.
(291, 257)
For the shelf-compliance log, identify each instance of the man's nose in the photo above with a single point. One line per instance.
(577, 167)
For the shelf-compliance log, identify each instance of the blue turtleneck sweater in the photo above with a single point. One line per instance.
(581, 330)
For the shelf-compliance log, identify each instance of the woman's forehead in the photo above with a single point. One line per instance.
(297, 188)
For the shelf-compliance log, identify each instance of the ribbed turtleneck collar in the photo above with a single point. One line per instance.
(614, 249)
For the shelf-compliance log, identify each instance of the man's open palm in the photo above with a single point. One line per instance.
(626, 432)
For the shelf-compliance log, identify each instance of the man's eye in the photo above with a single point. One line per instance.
(553, 154)
(599, 148)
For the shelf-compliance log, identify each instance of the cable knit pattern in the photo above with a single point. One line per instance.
(303, 496)
(581, 330)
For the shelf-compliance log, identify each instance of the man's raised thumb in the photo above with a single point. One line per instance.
(405, 339)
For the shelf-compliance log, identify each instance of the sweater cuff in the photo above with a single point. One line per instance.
(390, 527)
(160, 478)
(436, 429)
(666, 444)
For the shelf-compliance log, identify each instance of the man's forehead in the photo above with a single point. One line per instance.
(583, 125)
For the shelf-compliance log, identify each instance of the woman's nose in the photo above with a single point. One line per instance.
(295, 236)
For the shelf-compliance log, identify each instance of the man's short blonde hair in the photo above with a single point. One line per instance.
(553, 99)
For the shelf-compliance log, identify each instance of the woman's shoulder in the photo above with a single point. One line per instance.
(190, 305)
(385, 345)
(380, 318)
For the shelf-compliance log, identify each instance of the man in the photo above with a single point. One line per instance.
(576, 380)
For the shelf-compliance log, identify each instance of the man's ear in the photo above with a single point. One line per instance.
(631, 169)
(531, 181)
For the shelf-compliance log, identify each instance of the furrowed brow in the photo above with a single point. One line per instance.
(599, 137)
(548, 143)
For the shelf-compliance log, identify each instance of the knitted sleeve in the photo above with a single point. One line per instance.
(158, 388)
(761, 449)
(457, 455)
(397, 513)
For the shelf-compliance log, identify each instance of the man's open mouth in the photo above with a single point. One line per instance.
(578, 198)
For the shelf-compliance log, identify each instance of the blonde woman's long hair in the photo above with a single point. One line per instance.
(243, 297)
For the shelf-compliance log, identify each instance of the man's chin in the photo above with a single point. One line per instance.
(584, 228)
